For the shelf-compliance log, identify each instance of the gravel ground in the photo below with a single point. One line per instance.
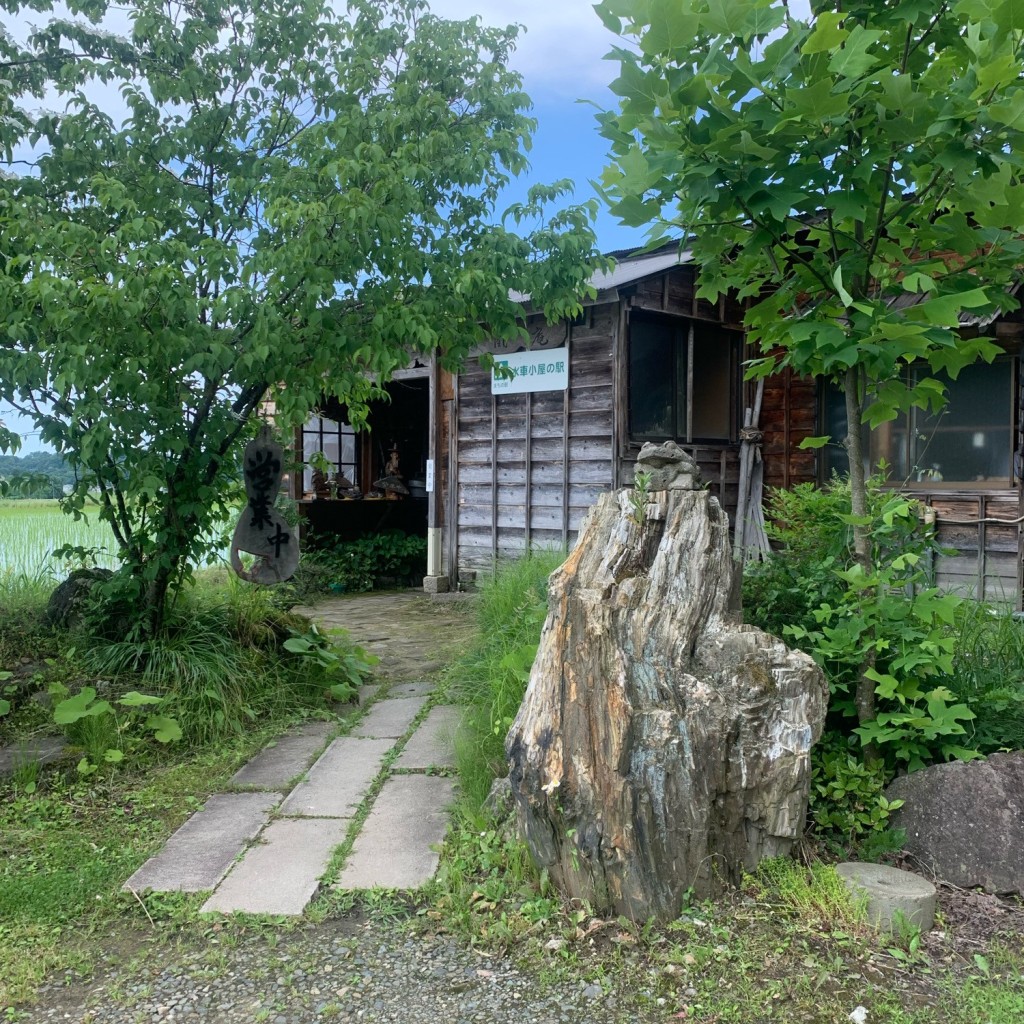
(337, 971)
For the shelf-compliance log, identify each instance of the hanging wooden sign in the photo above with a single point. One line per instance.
(261, 530)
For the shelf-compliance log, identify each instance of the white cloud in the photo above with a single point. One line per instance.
(561, 48)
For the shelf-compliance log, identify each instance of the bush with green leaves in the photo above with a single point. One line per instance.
(847, 800)
(389, 559)
(222, 661)
(948, 672)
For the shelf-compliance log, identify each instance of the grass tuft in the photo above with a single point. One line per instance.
(490, 679)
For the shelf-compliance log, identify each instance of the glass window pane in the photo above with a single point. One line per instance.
(969, 441)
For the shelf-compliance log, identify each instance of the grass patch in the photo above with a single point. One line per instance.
(490, 679)
(66, 849)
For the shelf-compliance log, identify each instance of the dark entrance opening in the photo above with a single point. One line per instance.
(373, 479)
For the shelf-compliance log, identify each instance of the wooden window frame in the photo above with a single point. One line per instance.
(688, 327)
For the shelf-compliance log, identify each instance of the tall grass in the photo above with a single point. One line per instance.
(988, 675)
(218, 662)
(491, 677)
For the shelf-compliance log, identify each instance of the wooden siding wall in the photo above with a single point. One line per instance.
(984, 557)
(528, 467)
(675, 292)
(719, 467)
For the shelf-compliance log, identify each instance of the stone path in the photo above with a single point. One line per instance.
(359, 780)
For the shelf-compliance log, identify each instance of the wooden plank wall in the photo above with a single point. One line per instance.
(719, 466)
(789, 413)
(528, 467)
(981, 531)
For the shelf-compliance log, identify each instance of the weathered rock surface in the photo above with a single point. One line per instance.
(67, 602)
(660, 748)
(965, 821)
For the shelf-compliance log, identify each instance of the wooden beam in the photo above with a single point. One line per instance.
(494, 480)
(527, 462)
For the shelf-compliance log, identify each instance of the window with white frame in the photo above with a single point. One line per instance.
(337, 441)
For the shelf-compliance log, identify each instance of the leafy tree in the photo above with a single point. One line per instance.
(856, 176)
(291, 199)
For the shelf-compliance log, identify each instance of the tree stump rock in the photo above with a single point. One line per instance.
(964, 821)
(661, 748)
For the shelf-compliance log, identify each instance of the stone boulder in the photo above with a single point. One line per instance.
(965, 821)
(64, 609)
(661, 749)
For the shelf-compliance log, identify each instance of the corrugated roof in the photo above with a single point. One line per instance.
(630, 269)
(906, 300)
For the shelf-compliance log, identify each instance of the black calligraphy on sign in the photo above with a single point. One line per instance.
(262, 470)
(261, 530)
(279, 538)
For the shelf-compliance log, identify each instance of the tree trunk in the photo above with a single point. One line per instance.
(864, 697)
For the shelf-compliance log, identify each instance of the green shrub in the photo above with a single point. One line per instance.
(491, 677)
(988, 675)
(390, 559)
(222, 662)
(847, 801)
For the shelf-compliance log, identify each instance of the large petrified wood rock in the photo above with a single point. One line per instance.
(661, 748)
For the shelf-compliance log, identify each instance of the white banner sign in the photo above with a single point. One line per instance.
(534, 371)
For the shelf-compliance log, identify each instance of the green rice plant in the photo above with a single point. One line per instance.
(31, 530)
(491, 677)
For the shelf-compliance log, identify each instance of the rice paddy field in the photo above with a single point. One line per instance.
(31, 530)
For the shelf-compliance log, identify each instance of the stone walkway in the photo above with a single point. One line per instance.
(376, 779)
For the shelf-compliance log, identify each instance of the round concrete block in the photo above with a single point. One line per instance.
(889, 891)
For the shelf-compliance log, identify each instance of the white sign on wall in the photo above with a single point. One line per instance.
(534, 371)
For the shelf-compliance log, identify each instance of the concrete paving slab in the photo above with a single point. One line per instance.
(393, 849)
(280, 874)
(289, 755)
(423, 689)
(431, 745)
(40, 750)
(199, 854)
(390, 718)
(338, 781)
(367, 693)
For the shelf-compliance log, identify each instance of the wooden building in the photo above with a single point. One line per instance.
(513, 461)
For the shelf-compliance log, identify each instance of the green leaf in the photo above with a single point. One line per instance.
(164, 729)
(815, 442)
(134, 699)
(844, 295)
(113, 756)
(81, 705)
